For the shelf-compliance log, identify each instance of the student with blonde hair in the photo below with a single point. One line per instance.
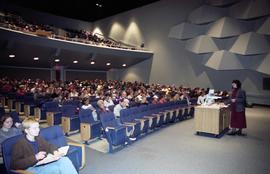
(32, 148)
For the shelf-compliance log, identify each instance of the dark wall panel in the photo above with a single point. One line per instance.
(21, 73)
(72, 75)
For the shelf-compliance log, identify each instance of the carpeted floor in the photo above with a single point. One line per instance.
(97, 144)
(176, 149)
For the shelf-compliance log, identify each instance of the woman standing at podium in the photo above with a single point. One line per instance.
(238, 103)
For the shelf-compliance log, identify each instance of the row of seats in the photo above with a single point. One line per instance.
(142, 120)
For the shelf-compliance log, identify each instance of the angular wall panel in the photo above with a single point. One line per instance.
(221, 2)
(264, 67)
(201, 44)
(226, 27)
(249, 9)
(251, 62)
(224, 60)
(186, 31)
(250, 43)
(206, 14)
(265, 28)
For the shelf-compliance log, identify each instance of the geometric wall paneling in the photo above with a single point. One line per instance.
(251, 61)
(201, 44)
(224, 60)
(265, 27)
(252, 86)
(264, 67)
(225, 43)
(249, 9)
(251, 43)
(200, 58)
(186, 31)
(206, 14)
(221, 3)
(227, 27)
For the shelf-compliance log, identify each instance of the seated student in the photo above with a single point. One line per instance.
(201, 98)
(7, 130)
(32, 148)
(87, 105)
(123, 104)
(108, 101)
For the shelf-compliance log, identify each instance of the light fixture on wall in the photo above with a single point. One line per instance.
(75, 61)
(11, 56)
(92, 62)
(57, 60)
(124, 65)
(108, 64)
(36, 58)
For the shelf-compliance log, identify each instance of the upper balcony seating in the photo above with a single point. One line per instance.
(53, 135)
(89, 128)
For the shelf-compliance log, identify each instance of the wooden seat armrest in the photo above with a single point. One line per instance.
(129, 123)
(21, 171)
(149, 116)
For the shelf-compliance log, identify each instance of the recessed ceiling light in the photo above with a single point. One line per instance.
(36, 58)
(11, 56)
(98, 5)
(75, 61)
(124, 64)
(92, 62)
(57, 60)
(108, 64)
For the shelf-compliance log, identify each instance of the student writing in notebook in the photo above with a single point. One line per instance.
(32, 148)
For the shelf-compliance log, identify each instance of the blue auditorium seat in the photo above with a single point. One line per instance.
(89, 128)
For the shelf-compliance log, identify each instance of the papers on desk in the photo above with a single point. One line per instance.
(214, 106)
(51, 158)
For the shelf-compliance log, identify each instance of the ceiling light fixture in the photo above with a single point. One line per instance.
(57, 60)
(36, 58)
(124, 65)
(99, 5)
(108, 64)
(75, 61)
(11, 56)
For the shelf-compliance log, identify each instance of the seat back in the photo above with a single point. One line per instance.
(107, 119)
(86, 116)
(54, 135)
(69, 110)
(51, 107)
(7, 149)
(2, 111)
(15, 116)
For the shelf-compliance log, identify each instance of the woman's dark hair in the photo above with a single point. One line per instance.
(3, 119)
(238, 83)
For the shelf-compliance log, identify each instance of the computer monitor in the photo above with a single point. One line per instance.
(211, 92)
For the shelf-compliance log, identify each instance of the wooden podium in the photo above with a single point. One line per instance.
(212, 119)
